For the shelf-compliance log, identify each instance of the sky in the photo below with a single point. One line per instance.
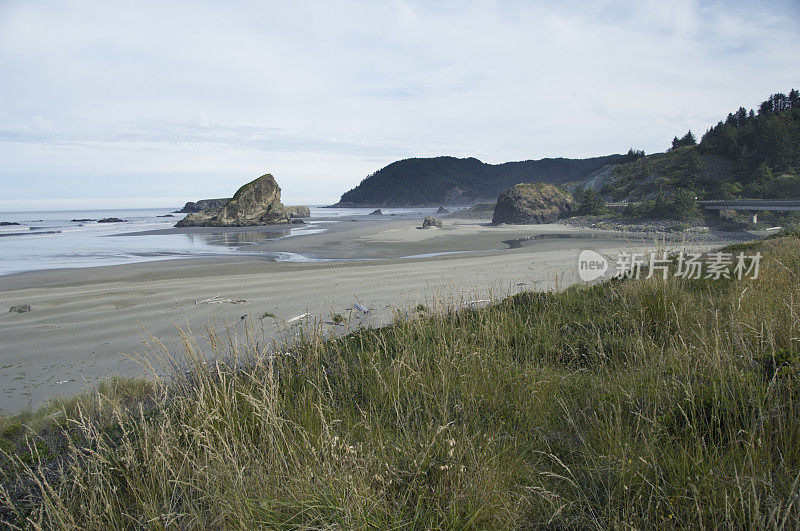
(136, 104)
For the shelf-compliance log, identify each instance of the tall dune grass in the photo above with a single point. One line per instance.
(643, 403)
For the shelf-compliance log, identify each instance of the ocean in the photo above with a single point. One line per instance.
(53, 239)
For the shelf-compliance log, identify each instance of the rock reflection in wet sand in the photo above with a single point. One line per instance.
(239, 239)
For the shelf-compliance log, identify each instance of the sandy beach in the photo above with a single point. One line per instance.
(87, 323)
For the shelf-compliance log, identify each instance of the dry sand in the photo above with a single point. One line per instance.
(86, 323)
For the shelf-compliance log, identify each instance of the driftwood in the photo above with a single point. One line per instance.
(297, 318)
(219, 299)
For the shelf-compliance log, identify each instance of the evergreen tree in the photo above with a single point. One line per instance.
(688, 139)
(589, 203)
(794, 99)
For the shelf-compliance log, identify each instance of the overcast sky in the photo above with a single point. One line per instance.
(156, 103)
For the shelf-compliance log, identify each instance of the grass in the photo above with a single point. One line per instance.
(640, 403)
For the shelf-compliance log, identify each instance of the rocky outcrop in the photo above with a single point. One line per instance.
(111, 220)
(529, 203)
(479, 211)
(442, 210)
(376, 212)
(204, 204)
(256, 203)
(431, 222)
(8, 223)
(298, 211)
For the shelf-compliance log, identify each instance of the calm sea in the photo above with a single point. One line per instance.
(52, 239)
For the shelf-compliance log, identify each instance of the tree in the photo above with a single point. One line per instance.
(763, 174)
(634, 154)
(729, 191)
(689, 139)
(589, 203)
(686, 140)
(794, 99)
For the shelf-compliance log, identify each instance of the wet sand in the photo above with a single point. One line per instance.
(87, 323)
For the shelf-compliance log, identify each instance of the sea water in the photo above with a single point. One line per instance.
(51, 239)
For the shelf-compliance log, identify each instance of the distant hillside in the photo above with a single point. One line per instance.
(749, 155)
(453, 181)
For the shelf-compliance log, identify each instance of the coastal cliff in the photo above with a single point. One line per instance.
(453, 181)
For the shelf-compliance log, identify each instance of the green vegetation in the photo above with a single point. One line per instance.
(679, 205)
(750, 155)
(268, 314)
(642, 404)
(588, 203)
(338, 319)
(761, 145)
(449, 180)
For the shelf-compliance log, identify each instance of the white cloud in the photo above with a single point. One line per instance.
(103, 100)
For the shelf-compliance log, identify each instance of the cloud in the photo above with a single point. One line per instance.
(190, 99)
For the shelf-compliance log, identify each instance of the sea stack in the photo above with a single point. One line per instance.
(256, 203)
(529, 203)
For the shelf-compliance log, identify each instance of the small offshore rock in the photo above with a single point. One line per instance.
(298, 211)
(7, 223)
(82, 220)
(111, 220)
(203, 204)
(20, 308)
(376, 212)
(431, 222)
(442, 210)
(165, 216)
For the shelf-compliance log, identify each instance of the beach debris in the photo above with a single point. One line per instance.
(219, 299)
(297, 318)
(20, 308)
(360, 308)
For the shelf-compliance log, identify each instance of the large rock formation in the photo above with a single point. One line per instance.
(531, 203)
(204, 204)
(256, 203)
